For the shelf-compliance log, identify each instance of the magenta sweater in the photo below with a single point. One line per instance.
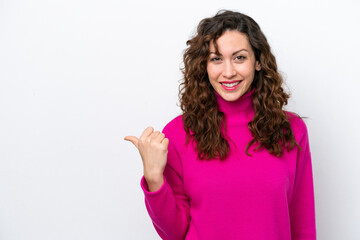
(258, 197)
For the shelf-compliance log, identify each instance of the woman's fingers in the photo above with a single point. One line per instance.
(165, 143)
(133, 139)
(143, 136)
(161, 140)
(149, 138)
(147, 132)
(147, 135)
(154, 136)
(159, 137)
(153, 149)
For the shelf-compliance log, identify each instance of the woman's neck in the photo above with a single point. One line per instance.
(239, 111)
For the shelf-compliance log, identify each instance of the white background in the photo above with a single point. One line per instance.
(76, 76)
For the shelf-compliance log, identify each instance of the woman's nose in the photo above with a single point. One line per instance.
(229, 70)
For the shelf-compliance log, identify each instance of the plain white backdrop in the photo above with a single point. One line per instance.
(77, 76)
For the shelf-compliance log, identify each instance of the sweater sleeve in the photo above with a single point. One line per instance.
(168, 207)
(302, 206)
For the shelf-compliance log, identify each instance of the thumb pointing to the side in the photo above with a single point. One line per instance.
(133, 139)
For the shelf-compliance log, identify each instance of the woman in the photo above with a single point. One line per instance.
(234, 165)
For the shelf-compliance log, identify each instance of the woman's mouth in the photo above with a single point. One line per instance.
(230, 86)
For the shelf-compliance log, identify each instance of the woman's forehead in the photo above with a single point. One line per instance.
(231, 40)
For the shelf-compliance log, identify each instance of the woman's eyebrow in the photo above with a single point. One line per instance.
(233, 53)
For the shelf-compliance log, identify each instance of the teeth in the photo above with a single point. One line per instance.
(230, 84)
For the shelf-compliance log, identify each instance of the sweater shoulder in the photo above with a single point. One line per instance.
(174, 130)
(298, 125)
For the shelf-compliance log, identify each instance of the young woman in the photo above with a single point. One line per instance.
(234, 165)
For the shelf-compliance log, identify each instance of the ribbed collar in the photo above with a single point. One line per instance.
(239, 111)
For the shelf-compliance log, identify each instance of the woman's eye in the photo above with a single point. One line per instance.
(240, 57)
(215, 59)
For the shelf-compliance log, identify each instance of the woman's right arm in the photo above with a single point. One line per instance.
(165, 199)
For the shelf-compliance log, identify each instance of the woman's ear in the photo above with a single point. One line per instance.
(257, 66)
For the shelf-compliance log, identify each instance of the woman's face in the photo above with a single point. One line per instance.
(232, 72)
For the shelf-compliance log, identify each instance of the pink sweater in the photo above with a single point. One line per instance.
(261, 197)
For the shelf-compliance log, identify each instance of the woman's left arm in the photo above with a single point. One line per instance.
(302, 204)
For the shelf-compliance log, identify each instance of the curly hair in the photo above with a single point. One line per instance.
(202, 120)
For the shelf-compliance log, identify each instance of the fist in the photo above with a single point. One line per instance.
(153, 149)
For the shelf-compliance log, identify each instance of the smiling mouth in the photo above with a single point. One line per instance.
(230, 84)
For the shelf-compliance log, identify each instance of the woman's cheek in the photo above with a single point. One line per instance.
(246, 70)
(212, 74)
